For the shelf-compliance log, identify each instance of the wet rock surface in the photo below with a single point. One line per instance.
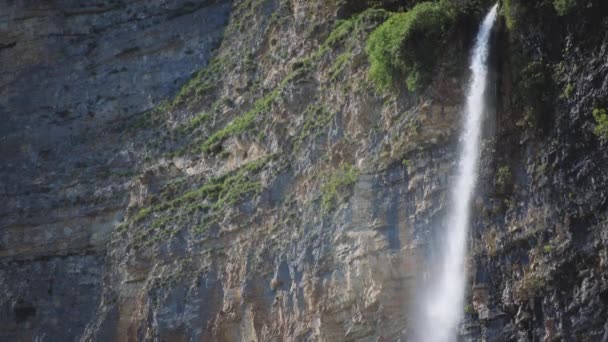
(540, 234)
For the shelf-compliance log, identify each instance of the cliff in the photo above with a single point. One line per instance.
(275, 170)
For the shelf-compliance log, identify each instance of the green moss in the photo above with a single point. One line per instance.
(415, 79)
(263, 105)
(339, 65)
(316, 119)
(407, 45)
(240, 124)
(532, 79)
(193, 123)
(121, 228)
(221, 191)
(342, 179)
(509, 9)
(564, 7)
(236, 186)
(192, 92)
(351, 27)
(601, 122)
(503, 176)
(533, 87)
(548, 248)
(568, 91)
(342, 29)
(142, 214)
(202, 83)
(198, 208)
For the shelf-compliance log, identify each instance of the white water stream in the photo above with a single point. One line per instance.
(443, 301)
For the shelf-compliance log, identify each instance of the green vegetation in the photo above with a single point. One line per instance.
(201, 84)
(533, 84)
(247, 11)
(146, 119)
(343, 29)
(222, 191)
(405, 162)
(503, 176)
(541, 170)
(341, 180)
(347, 28)
(408, 44)
(468, 309)
(532, 80)
(142, 214)
(548, 248)
(198, 208)
(532, 286)
(564, 7)
(193, 123)
(601, 122)
(317, 118)
(339, 65)
(240, 124)
(510, 13)
(568, 91)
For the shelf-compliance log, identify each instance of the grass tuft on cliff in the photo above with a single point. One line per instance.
(341, 180)
(601, 123)
(564, 7)
(407, 45)
(197, 208)
(241, 123)
(509, 10)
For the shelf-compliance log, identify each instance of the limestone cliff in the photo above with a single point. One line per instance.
(232, 171)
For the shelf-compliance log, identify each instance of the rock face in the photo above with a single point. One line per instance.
(540, 243)
(278, 195)
(72, 72)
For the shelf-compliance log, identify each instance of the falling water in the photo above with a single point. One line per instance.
(442, 307)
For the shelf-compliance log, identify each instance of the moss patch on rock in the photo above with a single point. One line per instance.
(339, 181)
(407, 45)
(195, 208)
(601, 123)
(564, 7)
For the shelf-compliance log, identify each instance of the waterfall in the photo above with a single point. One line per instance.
(442, 306)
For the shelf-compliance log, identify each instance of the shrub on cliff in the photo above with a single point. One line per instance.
(341, 179)
(564, 7)
(407, 45)
(601, 122)
(509, 11)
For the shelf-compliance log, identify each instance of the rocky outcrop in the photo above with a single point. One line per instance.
(539, 270)
(72, 74)
(328, 240)
(278, 195)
